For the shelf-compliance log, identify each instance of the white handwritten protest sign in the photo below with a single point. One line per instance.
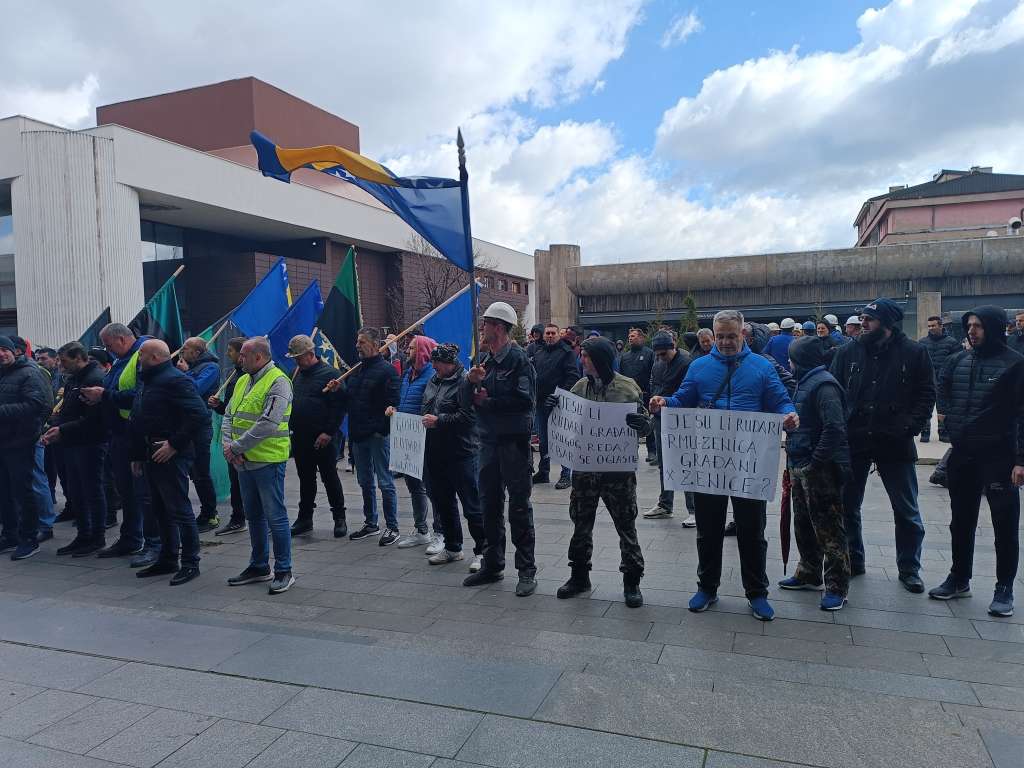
(588, 436)
(408, 439)
(723, 453)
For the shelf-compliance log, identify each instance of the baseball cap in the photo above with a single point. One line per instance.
(300, 345)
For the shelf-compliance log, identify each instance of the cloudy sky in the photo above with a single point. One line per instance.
(640, 130)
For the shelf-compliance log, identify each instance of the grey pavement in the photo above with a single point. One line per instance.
(375, 658)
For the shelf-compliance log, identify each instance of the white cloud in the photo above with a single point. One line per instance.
(72, 105)
(680, 29)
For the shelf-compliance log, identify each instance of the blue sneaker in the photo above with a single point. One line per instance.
(24, 551)
(762, 609)
(701, 601)
(794, 583)
(832, 601)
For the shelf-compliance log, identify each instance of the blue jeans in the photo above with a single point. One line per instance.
(263, 500)
(418, 493)
(451, 478)
(372, 456)
(541, 428)
(136, 515)
(900, 481)
(41, 488)
(168, 493)
(84, 476)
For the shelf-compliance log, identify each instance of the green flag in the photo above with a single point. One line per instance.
(219, 347)
(341, 318)
(160, 317)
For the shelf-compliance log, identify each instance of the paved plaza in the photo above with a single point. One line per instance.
(376, 659)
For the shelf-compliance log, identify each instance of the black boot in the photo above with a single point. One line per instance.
(340, 527)
(302, 525)
(577, 584)
(631, 591)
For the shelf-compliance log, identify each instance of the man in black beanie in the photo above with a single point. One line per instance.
(890, 393)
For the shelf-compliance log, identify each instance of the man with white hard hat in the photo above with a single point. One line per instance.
(773, 329)
(778, 346)
(834, 331)
(853, 327)
(504, 387)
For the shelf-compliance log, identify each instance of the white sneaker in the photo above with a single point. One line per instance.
(416, 539)
(435, 544)
(476, 563)
(444, 556)
(690, 522)
(657, 511)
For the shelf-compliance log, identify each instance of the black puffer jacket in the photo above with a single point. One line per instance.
(939, 349)
(636, 363)
(556, 367)
(981, 393)
(820, 404)
(511, 386)
(1015, 341)
(25, 403)
(313, 410)
(166, 407)
(81, 424)
(890, 393)
(667, 375)
(451, 400)
(372, 388)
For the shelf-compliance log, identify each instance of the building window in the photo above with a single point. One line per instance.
(502, 284)
(516, 287)
(162, 242)
(488, 281)
(7, 293)
(526, 288)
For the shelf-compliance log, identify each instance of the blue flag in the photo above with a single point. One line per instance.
(300, 318)
(454, 325)
(266, 303)
(436, 208)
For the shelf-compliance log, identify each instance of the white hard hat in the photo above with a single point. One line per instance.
(853, 320)
(787, 323)
(773, 326)
(831, 319)
(499, 310)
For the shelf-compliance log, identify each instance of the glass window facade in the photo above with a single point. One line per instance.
(162, 242)
(8, 294)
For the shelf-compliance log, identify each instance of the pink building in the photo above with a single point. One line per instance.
(954, 205)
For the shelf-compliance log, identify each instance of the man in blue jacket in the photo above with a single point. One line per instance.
(203, 368)
(117, 395)
(731, 377)
(778, 346)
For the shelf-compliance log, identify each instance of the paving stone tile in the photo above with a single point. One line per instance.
(508, 688)
(660, 674)
(726, 760)
(815, 631)
(932, 625)
(877, 658)
(971, 670)
(526, 619)
(710, 720)
(582, 607)
(983, 649)
(875, 681)
(42, 710)
(381, 722)
(1000, 696)
(516, 635)
(986, 717)
(51, 669)
(614, 628)
(200, 692)
(662, 614)
(365, 756)
(405, 606)
(599, 646)
(470, 612)
(1004, 748)
(12, 694)
(152, 738)
(693, 635)
(779, 647)
(91, 726)
(507, 743)
(303, 750)
(277, 610)
(19, 754)
(225, 744)
(488, 650)
(994, 630)
(901, 641)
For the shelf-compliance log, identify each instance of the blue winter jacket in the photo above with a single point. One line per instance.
(778, 347)
(411, 399)
(755, 386)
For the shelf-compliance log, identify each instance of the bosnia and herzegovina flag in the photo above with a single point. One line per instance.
(341, 318)
(266, 303)
(454, 324)
(299, 319)
(433, 207)
(160, 317)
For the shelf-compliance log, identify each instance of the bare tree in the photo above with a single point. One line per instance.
(427, 279)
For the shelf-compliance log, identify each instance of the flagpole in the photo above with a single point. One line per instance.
(409, 330)
(464, 190)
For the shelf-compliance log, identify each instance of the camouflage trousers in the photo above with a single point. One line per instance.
(818, 523)
(618, 492)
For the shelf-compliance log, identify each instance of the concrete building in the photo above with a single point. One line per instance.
(101, 217)
(952, 206)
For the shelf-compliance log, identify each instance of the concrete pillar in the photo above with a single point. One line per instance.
(563, 302)
(542, 284)
(77, 239)
(928, 303)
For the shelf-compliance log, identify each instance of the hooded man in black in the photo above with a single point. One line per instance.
(890, 393)
(981, 394)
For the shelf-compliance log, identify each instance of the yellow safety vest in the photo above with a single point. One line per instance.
(127, 380)
(245, 408)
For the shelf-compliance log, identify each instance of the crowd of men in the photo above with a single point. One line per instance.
(130, 425)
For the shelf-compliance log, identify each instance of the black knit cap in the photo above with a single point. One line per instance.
(662, 340)
(445, 353)
(886, 310)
